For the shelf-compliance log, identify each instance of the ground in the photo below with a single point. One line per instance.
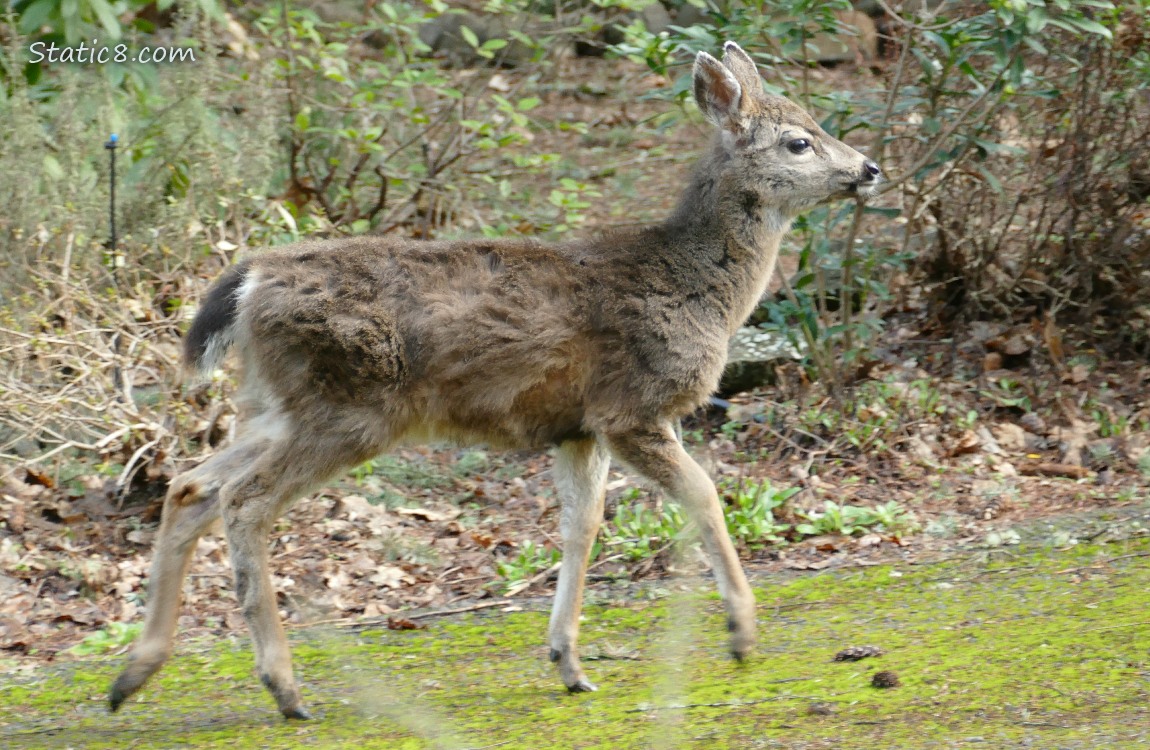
(1039, 647)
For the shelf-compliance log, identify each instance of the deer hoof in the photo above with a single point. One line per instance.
(116, 699)
(741, 647)
(582, 685)
(298, 713)
(125, 687)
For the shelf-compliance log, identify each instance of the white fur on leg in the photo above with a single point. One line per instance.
(580, 478)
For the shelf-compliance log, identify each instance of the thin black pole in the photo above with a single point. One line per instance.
(113, 142)
(122, 392)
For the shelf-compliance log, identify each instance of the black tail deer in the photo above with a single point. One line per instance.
(594, 347)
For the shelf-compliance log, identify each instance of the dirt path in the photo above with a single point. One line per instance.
(1035, 647)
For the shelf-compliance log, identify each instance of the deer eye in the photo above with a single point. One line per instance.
(798, 145)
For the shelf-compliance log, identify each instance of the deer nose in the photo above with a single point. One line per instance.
(872, 170)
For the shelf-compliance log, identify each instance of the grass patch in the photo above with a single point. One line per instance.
(1042, 648)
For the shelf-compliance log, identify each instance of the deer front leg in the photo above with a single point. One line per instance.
(657, 455)
(580, 477)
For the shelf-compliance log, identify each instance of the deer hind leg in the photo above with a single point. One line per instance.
(190, 508)
(250, 504)
(656, 454)
(580, 477)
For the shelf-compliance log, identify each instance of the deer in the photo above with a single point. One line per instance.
(593, 348)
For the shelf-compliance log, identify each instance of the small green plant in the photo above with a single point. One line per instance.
(472, 462)
(571, 201)
(403, 473)
(532, 559)
(1008, 394)
(1110, 424)
(639, 532)
(1101, 452)
(379, 140)
(874, 415)
(1144, 464)
(853, 519)
(751, 514)
(112, 638)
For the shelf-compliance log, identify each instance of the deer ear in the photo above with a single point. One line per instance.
(743, 67)
(717, 92)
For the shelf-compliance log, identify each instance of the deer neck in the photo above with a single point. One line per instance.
(728, 237)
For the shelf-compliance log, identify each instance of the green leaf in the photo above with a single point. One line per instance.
(1092, 27)
(1036, 20)
(469, 36)
(991, 180)
(522, 38)
(52, 167)
(107, 17)
(1035, 45)
(36, 16)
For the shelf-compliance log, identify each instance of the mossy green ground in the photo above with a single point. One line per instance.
(1040, 648)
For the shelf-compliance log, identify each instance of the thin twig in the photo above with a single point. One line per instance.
(346, 623)
(722, 704)
(955, 124)
(1097, 563)
(894, 16)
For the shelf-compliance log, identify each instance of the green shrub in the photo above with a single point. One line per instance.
(962, 118)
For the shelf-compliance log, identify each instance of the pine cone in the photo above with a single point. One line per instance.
(885, 680)
(857, 653)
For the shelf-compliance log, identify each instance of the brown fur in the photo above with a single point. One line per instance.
(351, 346)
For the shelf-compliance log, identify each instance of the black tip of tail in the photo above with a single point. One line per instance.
(216, 314)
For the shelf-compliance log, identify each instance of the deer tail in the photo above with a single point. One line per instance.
(213, 329)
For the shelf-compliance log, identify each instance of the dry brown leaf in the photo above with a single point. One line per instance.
(1054, 470)
(392, 577)
(1078, 374)
(1017, 341)
(37, 477)
(1074, 440)
(807, 565)
(1010, 437)
(967, 443)
(402, 623)
(359, 506)
(1053, 339)
(426, 514)
(481, 538)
